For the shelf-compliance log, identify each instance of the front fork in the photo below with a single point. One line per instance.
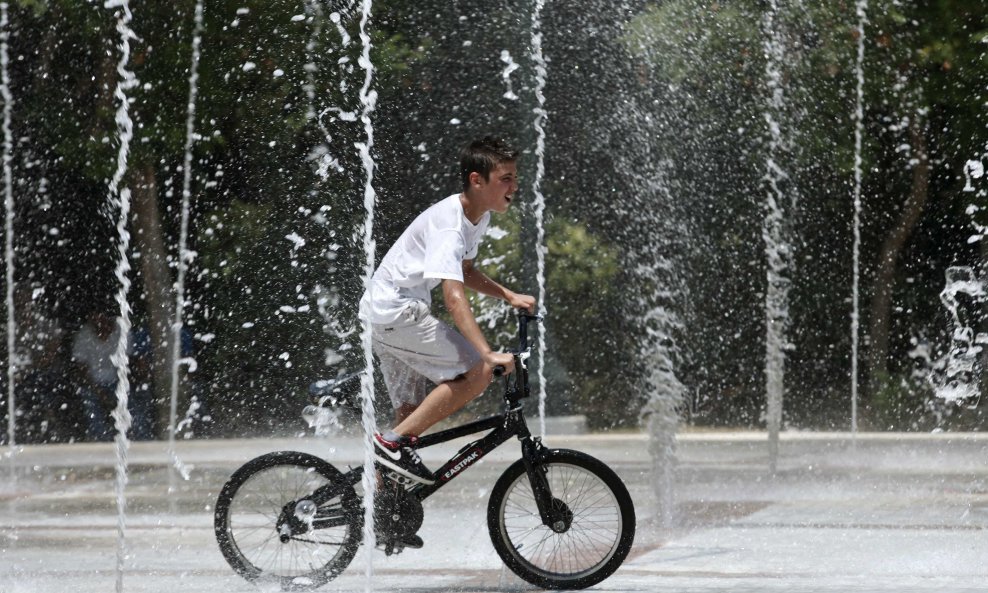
(555, 514)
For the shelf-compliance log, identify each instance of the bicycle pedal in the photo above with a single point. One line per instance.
(390, 548)
(403, 481)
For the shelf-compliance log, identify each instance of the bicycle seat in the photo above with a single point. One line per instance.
(334, 391)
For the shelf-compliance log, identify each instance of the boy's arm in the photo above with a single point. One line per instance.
(476, 280)
(459, 307)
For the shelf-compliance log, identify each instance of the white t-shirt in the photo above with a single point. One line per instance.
(431, 249)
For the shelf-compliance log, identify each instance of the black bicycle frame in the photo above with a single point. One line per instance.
(510, 423)
(502, 427)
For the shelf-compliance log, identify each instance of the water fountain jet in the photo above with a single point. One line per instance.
(184, 256)
(8, 201)
(119, 199)
(368, 100)
(861, 9)
(777, 249)
(540, 239)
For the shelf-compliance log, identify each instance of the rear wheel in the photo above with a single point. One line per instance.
(593, 529)
(268, 527)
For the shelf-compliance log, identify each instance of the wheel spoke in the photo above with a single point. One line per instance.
(589, 541)
(248, 533)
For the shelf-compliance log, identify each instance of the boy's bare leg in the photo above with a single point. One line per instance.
(404, 412)
(445, 399)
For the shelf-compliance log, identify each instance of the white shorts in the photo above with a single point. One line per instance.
(419, 351)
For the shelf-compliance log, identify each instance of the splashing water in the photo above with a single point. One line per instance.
(324, 421)
(956, 379)
(313, 10)
(368, 99)
(184, 256)
(861, 8)
(776, 248)
(120, 199)
(324, 416)
(325, 161)
(540, 248)
(973, 169)
(509, 67)
(656, 262)
(961, 369)
(190, 415)
(326, 297)
(661, 412)
(344, 35)
(8, 203)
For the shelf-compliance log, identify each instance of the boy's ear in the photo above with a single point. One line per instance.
(475, 178)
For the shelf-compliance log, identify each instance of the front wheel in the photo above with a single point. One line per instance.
(592, 537)
(290, 518)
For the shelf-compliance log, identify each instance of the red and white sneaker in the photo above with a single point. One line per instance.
(402, 458)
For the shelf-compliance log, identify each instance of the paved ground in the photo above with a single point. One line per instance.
(879, 513)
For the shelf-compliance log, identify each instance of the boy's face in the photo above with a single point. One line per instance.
(495, 193)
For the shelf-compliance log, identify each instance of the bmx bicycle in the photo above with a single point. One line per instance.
(558, 518)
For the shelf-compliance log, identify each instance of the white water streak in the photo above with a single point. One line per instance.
(120, 199)
(509, 67)
(313, 8)
(658, 304)
(327, 162)
(773, 232)
(540, 247)
(861, 8)
(661, 411)
(326, 298)
(958, 376)
(183, 238)
(368, 99)
(8, 203)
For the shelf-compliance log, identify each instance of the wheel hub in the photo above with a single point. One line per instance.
(562, 516)
(296, 518)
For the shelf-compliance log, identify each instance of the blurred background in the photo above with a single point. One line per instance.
(699, 188)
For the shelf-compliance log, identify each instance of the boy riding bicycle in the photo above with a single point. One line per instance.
(415, 349)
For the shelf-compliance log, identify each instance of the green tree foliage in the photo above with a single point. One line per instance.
(583, 326)
(273, 214)
(925, 77)
(654, 183)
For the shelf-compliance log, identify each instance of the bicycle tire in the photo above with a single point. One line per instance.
(598, 540)
(246, 518)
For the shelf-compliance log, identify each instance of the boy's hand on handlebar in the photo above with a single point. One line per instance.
(522, 301)
(502, 359)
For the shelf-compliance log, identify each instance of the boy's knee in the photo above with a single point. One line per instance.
(486, 374)
(479, 377)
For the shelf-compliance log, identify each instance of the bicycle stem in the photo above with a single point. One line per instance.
(523, 319)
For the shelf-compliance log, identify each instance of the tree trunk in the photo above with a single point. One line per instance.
(157, 282)
(895, 242)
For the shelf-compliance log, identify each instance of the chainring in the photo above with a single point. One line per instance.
(397, 514)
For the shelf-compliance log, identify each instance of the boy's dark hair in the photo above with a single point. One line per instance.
(483, 156)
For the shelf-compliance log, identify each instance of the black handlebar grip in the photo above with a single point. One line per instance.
(499, 370)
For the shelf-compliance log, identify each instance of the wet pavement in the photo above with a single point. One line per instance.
(903, 513)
